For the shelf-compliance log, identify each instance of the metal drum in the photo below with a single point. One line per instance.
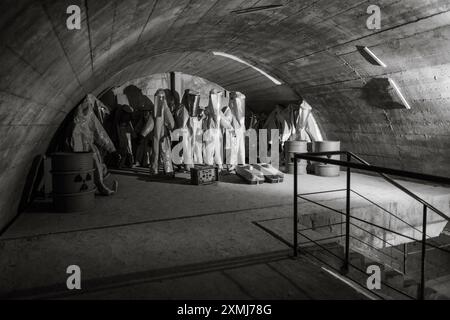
(73, 181)
(323, 169)
(72, 161)
(291, 147)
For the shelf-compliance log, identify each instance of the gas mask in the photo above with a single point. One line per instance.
(237, 105)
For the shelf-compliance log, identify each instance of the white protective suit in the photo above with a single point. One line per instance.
(163, 124)
(196, 125)
(192, 100)
(181, 115)
(297, 120)
(228, 137)
(237, 106)
(88, 135)
(212, 135)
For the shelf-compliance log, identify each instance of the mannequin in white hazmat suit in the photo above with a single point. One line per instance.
(228, 137)
(194, 124)
(163, 123)
(297, 116)
(196, 118)
(212, 135)
(184, 116)
(86, 134)
(237, 106)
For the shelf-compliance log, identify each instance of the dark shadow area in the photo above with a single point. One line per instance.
(165, 179)
(31, 183)
(231, 178)
(379, 93)
(138, 101)
(168, 273)
(182, 178)
(41, 206)
(143, 175)
(58, 143)
(108, 98)
(134, 223)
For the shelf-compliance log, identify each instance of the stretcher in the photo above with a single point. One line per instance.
(271, 174)
(250, 174)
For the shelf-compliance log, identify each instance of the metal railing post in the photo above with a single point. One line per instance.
(347, 219)
(405, 257)
(424, 248)
(295, 209)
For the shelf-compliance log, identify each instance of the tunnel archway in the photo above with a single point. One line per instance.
(46, 69)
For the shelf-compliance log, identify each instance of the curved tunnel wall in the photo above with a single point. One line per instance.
(310, 45)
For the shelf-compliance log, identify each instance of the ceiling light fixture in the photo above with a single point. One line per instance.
(257, 9)
(374, 57)
(230, 56)
(399, 94)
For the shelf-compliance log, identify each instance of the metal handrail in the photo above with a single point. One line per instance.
(356, 268)
(408, 192)
(360, 228)
(382, 171)
(315, 156)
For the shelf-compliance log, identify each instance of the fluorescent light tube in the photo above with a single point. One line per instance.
(374, 57)
(230, 56)
(400, 95)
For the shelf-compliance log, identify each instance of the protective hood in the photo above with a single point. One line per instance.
(225, 98)
(85, 110)
(160, 103)
(191, 101)
(297, 117)
(214, 107)
(88, 129)
(161, 113)
(237, 106)
(181, 116)
(276, 120)
(226, 118)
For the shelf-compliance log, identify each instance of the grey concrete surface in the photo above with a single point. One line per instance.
(159, 224)
(285, 279)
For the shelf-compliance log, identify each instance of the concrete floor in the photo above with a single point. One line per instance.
(160, 238)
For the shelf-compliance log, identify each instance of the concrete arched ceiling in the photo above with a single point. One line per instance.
(310, 45)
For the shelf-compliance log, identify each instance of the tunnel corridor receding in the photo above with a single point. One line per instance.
(46, 69)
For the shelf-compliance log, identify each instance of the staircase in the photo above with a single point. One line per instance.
(413, 257)
(394, 283)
